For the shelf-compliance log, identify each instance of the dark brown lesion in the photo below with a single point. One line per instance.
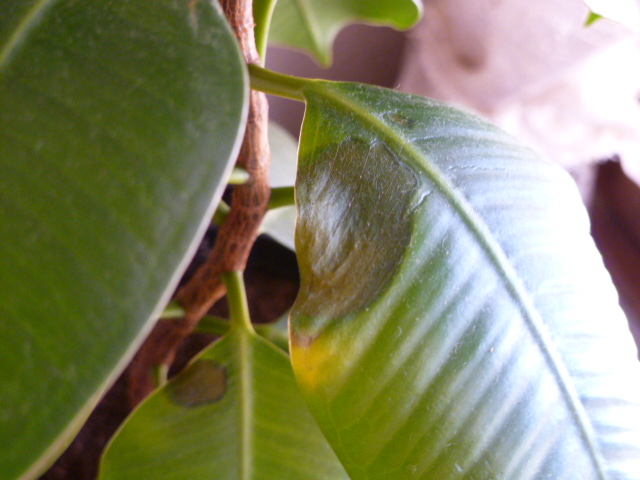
(354, 225)
(202, 383)
(400, 119)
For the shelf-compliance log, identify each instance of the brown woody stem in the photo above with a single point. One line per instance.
(249, 201)
(240, 229)
(235, 237)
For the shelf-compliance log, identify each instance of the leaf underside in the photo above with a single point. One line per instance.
(118, 124)
(312, 25)
(234, 413)
(454, 318)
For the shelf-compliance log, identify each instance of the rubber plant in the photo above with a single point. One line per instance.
(454, 319)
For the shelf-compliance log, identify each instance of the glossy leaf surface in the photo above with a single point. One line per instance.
(312, 25)
(454, 318)
(235, 413)
(118, 123)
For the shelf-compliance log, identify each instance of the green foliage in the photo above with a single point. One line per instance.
(118, 126)
(480, 297)
(450, 322)
(312, 25)
(235, 412)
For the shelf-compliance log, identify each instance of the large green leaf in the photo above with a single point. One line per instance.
(454, 319)
(234, 413)
(118, 121)
(312, 25)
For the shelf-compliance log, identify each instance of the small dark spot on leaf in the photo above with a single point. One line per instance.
(400, 119)
(352, 224)
(202, 383)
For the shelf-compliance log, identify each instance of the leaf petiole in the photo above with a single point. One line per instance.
(237, 298)
(279, 84)
(282, 197)
(172, 310)
(221, 213)
(160, 374)
(239, 176)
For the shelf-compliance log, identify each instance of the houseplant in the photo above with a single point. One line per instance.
(450, 316)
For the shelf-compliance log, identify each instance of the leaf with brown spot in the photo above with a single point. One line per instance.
(454, 318)
(236, 412)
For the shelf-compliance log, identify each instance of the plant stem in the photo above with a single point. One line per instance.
(172, 310)
(160, 374)
(235, 236)
(279, 84)
(239, 176)
(282, 197)
(248, 201)
(237, 298)
(221, 213)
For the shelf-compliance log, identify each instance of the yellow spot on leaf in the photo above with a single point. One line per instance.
(314, 361)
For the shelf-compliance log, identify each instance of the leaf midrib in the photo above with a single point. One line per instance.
(484, 238)
(244, 354)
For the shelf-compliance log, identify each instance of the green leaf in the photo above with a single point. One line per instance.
(118, 124)
(454, 318)
(312, 25)
(625, 12)
(262, 14)
(234, 413)
(277, 332)
(279, 223)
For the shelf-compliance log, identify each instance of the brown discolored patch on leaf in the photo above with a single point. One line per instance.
(354, 201)
(400, 119)
(202, 383)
